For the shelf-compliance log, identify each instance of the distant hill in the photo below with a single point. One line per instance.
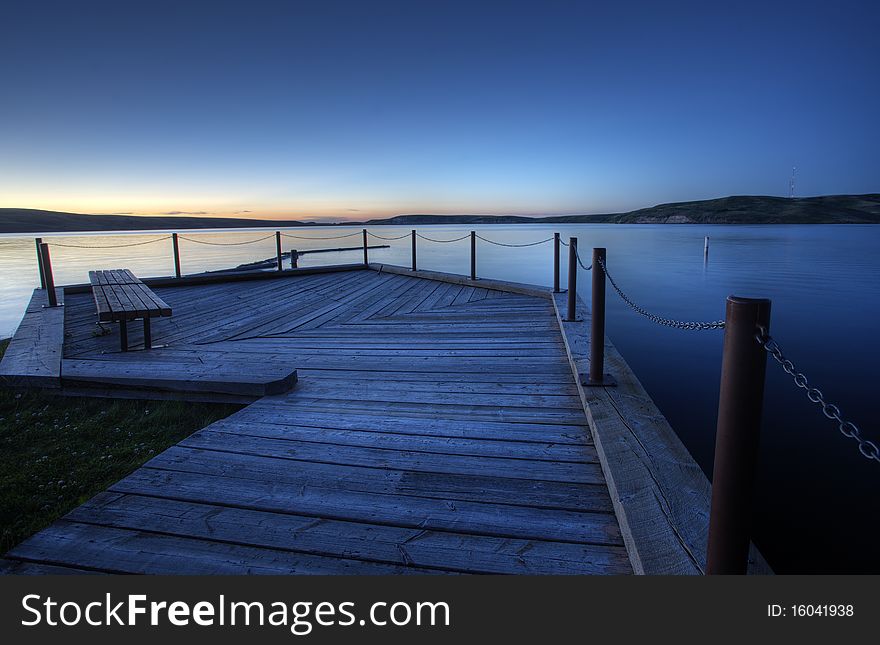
(829, 209)
(28, 220)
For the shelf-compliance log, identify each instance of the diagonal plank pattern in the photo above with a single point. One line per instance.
(435, 428)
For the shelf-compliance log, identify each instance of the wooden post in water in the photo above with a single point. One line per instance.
(706, 247)
(48, 279)
(366, 259)
(278, 250)
(414, 249)
(597, 322)
(556, 263)
(294, 257)
(473, 255)
(743, 368)
(39, 241)
(572, 279)
(176, 245)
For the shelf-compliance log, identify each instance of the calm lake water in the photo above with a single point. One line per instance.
(817, 497)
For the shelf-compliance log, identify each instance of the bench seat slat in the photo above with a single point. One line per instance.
(120, 295)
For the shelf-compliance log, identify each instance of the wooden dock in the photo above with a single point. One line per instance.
(437, 425)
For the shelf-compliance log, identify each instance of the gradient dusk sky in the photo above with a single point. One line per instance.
(351, 110)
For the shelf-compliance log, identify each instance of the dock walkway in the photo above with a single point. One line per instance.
(436, 426)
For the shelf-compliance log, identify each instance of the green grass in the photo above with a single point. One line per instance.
(56, 452)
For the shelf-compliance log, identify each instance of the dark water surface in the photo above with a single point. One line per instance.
(817, 497)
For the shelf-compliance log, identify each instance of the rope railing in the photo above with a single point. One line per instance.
(114, 246)
(457, 239)
(510, 245)
(261, 239)
(388, 239)
(325, 237)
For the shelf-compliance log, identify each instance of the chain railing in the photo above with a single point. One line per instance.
(848, 429)
(580, 262)
(660, 320)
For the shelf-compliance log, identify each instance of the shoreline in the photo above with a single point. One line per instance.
(734, 210)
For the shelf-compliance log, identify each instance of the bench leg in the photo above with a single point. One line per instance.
(148, 339)
(123, 335)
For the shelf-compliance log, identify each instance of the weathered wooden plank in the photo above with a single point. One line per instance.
(400, 546)
(253, 379)
(389, 392)
(18, 568)
(484, 488)
(506, 449)
(122, 551)
(452, 464)
(499, 520)
(501, 285)
(464, 412)
(33, 356)
(428, 425)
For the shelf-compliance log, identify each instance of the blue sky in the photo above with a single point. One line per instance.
(353, 110)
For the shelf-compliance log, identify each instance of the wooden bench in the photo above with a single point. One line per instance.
(120, 297)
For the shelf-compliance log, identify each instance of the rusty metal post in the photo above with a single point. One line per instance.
(366, 260)
(294, 258)
(413, 249)
(556, 263)
(278, 250)
(39, 241)
(743, 368)
(48, 278)
(572, 279)
(176, 245)
(473, 255)
(597, 320)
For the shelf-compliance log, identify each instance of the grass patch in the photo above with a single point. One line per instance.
(56, 451)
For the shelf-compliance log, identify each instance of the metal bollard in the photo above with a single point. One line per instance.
(366, 260)
(556, 263)
(473, 255)
(597, 376)
(743, 369)
(39, 241)
(572, 279)
(48, 279)
(176, 245)
(413, 250)
(278, 250)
